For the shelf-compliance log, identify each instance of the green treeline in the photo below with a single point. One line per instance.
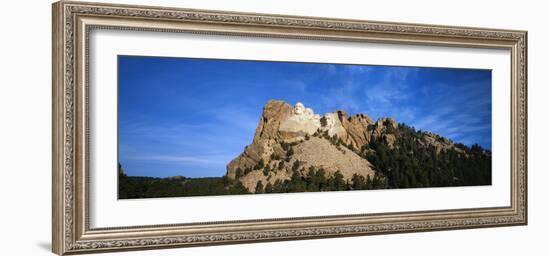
(149, 187)
(317, 180)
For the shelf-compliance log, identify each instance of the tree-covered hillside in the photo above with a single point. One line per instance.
(410, 164)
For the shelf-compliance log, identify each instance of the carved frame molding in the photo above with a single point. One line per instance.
(72, 22)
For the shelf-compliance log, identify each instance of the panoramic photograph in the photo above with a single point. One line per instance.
(213, 127)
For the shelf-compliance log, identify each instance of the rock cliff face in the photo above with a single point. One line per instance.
(295, 138)
(266, 138)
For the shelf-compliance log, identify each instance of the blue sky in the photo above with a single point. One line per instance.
(190, 117)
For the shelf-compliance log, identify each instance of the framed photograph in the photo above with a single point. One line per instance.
(179, 127)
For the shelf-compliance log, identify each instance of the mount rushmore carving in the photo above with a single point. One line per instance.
(304, 121)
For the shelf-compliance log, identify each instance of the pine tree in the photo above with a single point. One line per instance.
(339, 183)
(296, 165)
(268, 188)
(238, 173)
(259, 187)
(290, 152)
(358, 182)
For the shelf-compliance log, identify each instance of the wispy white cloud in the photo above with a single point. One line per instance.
(207, 160)
(197, 146)
(342, 97)
(389, 95)
(295, 84)
(459, 124)
(330, 69)
(358, 69)
(236, 118)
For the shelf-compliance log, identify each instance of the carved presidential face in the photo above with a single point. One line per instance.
(309, 112)
(329, 119)
(299, 108)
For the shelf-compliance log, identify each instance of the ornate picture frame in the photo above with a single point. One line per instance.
(72, 23)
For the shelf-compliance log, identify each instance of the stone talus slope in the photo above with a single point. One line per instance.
(312, 152)
(319, 152)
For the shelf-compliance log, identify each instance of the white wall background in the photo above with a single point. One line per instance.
(25, 114)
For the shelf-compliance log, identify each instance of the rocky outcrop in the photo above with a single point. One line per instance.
(385, 129)
(359, 132)
(274, 113)
(265, 139)
(438, 142)
(295, 135)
